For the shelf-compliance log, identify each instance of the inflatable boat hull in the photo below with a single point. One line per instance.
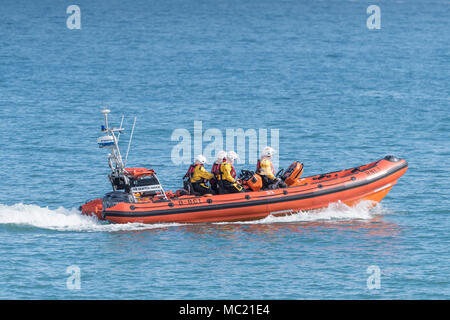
(369, 182)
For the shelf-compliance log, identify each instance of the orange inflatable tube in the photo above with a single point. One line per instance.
(371, 182)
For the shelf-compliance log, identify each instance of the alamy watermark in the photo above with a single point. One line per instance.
(74, 20)
(374, 280)
(73, 282)
(246, 143)
(374, 20)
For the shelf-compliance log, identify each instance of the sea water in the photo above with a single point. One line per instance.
(339, 94)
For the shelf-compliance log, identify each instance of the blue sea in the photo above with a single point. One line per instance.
(339, 94)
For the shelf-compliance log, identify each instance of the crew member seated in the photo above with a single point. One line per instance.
(227, 175)
(265, 169)
(215, 170)
(199, 176)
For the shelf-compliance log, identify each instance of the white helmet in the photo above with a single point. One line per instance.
(268, 152)
(231, 156)
(200, 159)
(220, 155)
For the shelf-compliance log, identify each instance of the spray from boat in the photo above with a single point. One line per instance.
(70, 220)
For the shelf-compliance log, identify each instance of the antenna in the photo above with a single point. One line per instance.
(119, 177)
(105, 112)
(121, 122)
(111, 141)
(129, 142)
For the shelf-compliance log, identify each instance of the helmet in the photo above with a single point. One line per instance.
(231, 156)
(220, 155)
(200, 159)
(268, 152)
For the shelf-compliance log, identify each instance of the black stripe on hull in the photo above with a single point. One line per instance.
(152, 213)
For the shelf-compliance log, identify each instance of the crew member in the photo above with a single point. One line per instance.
(215, 170)
(265, 169)
(227, 177)
(199, 177)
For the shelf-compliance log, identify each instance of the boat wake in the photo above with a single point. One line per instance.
(334, 212)
(62, 219)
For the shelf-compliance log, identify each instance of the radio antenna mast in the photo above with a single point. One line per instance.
(129, 142)
(111, 141)
(121, 123)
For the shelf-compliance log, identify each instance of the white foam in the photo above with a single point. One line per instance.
(63, 219)
(334, 212)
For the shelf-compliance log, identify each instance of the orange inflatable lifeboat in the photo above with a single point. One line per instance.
(368, 182)
(138, 196)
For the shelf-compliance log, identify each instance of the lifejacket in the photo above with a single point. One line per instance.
(233, 172)
(258, 167)
(215, 170)
(190, 171)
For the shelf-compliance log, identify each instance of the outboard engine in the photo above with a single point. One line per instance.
(292, 174)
